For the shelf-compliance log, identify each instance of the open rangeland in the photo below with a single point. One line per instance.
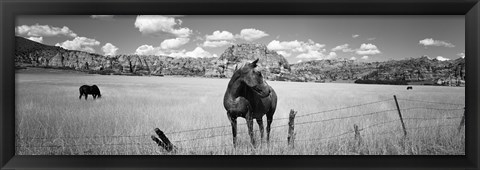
(51, 120)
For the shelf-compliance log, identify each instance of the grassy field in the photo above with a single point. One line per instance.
(51, 120)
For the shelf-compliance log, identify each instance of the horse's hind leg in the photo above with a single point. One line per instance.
(260, 126)
(233, 122)
(249, 119)
(94, 96)
(86, 95)
(269, 122)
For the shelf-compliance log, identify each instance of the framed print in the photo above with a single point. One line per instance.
(186, 84)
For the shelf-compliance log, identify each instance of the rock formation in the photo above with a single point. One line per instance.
(272, 65)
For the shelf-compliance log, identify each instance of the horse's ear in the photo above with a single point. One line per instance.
(254, 63)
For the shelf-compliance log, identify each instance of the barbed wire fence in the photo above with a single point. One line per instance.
(355, 131)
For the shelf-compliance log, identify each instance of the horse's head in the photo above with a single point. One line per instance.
(252, 77)
(96, 90)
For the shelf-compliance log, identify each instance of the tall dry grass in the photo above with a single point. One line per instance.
(51, 120)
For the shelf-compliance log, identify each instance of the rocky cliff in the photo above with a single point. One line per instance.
(423, 69)
(270, 63)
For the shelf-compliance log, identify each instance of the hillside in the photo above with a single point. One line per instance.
(30, 53)
(25, 47)
(421, 70)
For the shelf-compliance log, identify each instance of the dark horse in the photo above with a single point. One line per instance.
(409, 88)
(250, 97)
(86, 90)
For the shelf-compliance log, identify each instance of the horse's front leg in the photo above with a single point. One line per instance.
(86, 95)
(260, 126)
(94, 96)
(80, 97)
(249, 119)
(233, 122)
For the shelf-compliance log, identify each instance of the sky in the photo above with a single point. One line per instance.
(298, 38)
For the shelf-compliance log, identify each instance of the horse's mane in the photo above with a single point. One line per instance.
(236, 73)
(240, 65)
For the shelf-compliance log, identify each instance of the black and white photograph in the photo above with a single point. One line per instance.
(240, 85)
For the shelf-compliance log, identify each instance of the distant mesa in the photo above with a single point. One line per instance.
(422, 70)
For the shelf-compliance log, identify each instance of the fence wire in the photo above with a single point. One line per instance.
(423, 101)
(273, 127)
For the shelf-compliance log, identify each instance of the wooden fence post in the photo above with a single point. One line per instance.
(165, 142)
(357, 132)
(400, 114)
(462, 122)
(291, 126)
(357, 137)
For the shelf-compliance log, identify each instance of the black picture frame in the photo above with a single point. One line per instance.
(12, 8)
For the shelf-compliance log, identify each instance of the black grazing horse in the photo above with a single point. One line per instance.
(250, 97)
(409, 88)
(86, 90)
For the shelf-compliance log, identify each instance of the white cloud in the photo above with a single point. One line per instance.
(332, 55)
(295, 46)
(343, 47)
(311, 55)
(220, 35)
(198, 38)
(109, 49)
(36, 39)
(365, 57)
(182, 32)
(216, 43)
(250, 34)
(368, 49)
(149, 24)
(219, 39)
(440, 58)
(174, 43)
(299, 61)
(340, 47)
(353, 58)
(179, 53)
(199, 52)
(223, 38)
(104, 17)
(147, 50)
(308, 49)
(284, 45)
(462, 55)
(80, 43)
(355, 35)
(432, 42)
(284, 53)
(43, 30)
(318, 55)
(365, 49)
